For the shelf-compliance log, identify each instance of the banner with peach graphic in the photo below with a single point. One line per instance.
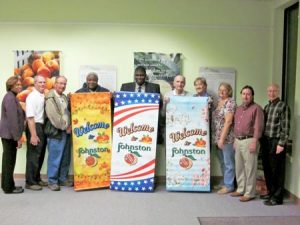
(187, 144)
(134, 141)
(91, 136)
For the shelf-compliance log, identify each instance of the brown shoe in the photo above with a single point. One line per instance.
(236, 194)
(224, 190)
(246, 198)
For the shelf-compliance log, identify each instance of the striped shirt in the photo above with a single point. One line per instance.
(277, 121)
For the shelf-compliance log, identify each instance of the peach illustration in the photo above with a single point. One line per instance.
(185, 163)
(130, 159)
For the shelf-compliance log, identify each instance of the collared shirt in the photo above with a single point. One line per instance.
(277, 121)
(143, 87)
(35, 103)
(249, 121)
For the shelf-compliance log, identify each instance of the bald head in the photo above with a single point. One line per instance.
(179, 84)
(273, 91)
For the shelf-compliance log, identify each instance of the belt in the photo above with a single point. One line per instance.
(243, 137)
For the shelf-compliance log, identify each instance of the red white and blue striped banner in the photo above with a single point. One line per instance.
(187, 144)
(134, 141)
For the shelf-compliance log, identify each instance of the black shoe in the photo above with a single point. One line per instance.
(18, 187)
(272, 202)
(16, 191)
(265, 197)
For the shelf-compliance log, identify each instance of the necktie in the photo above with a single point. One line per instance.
(140, 89)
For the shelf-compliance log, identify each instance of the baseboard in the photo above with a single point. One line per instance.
(162, 180)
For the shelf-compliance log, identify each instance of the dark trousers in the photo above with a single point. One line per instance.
(274, 168)
(8, 164)
(35, 155)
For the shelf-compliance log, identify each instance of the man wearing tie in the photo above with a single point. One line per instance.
(140, 84)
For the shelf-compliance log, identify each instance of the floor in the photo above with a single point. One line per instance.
(105, 207)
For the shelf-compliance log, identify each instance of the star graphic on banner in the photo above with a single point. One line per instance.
(124, 95)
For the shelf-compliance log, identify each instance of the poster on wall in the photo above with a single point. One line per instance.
(27, 64)
(107, 75)
(91, 137)
(215, 76)
(161, 68)
(187, 144)
(134, 141)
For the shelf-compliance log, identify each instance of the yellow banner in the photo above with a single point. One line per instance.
(91, 133)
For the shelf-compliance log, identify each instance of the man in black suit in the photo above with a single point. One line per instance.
(140, 84)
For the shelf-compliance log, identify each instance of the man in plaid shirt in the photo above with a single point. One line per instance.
(274, 142)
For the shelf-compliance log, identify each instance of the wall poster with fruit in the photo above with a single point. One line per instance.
(91, 137)
(30, 63)
(187, 144)
(134, 141)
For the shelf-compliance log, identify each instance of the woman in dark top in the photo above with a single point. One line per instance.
(11, 129)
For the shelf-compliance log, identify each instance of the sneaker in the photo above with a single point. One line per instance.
(54, 187)
(43, 183)
(224, 190)
(67, 183)
(34, 187)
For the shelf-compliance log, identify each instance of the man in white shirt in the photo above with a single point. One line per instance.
(36, 141)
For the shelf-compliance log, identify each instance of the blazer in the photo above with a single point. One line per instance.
(12, 117)
(149, 87)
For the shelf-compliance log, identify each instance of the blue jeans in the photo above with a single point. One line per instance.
(226, 157)
(59, 159)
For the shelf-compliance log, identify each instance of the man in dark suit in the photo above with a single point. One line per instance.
(140, 84)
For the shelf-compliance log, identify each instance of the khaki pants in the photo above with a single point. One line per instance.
(246, 167)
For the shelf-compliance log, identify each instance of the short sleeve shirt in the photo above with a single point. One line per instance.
(218, 120)
(35, 106)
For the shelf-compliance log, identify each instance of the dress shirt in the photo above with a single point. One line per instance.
(249, 121)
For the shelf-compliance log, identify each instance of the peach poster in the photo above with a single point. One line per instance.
(187, 144)
(91, 137)
(28, 64)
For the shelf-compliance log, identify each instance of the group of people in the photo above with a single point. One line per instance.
(238, 133)
(55, 108)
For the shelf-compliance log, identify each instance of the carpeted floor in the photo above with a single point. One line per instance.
(105, 207)
(253, 220)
